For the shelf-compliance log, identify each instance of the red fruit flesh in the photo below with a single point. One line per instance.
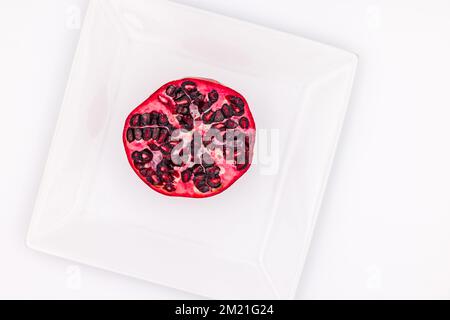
(191, 138)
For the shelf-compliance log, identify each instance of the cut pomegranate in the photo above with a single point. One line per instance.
(191, 138)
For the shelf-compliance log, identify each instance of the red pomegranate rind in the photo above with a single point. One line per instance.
(193, 137)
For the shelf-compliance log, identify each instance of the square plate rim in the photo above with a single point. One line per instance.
(87, 24)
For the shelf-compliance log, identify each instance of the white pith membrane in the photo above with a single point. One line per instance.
(215, 171)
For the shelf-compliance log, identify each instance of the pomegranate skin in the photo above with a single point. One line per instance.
(193, 137)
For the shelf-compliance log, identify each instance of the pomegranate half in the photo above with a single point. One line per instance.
(192, 138)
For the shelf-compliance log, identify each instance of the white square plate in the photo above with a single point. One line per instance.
(248, 242)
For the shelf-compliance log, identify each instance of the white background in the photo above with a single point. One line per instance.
(384, 227)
